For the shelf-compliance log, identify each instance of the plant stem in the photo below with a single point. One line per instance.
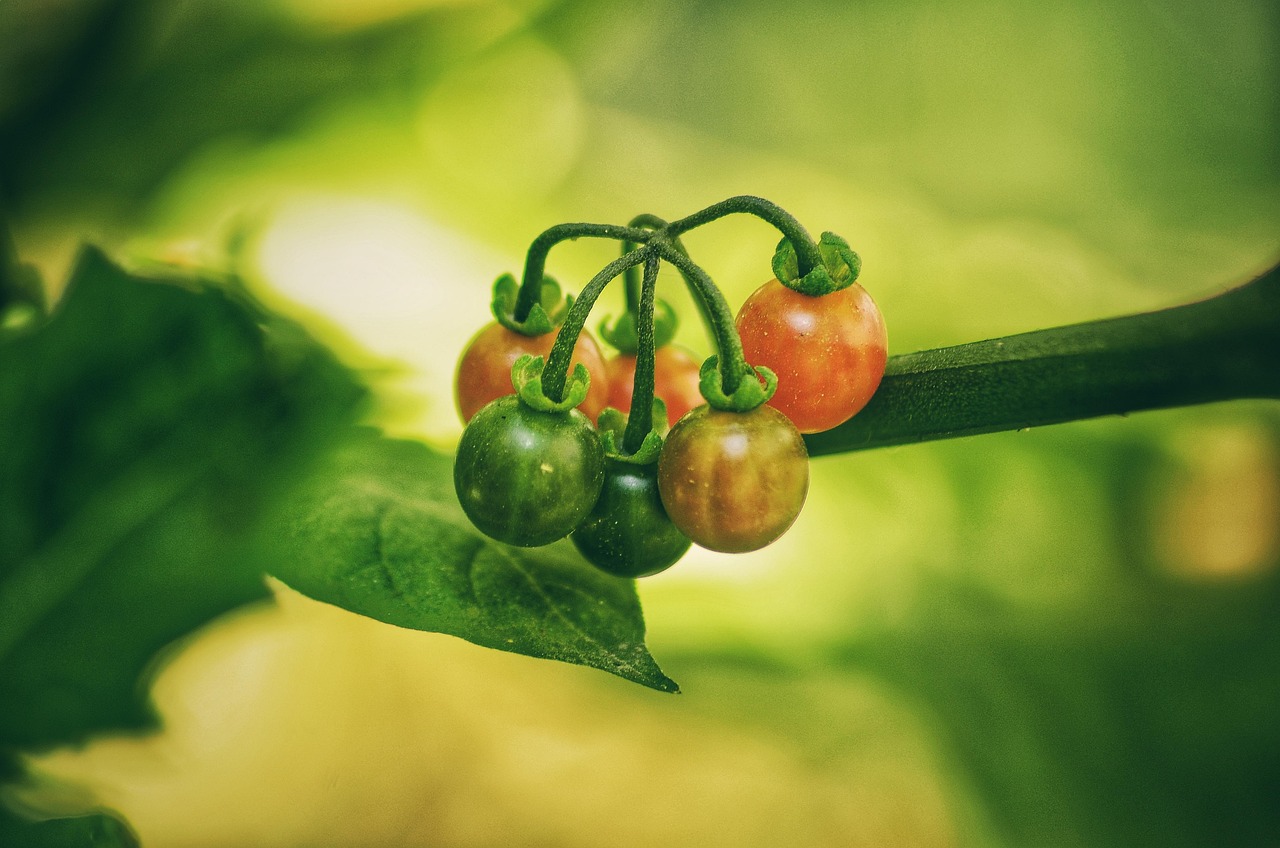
(640, 420)
(633, 283)
(1224, 348)
(631, 275)
(733, 362)
(536, 259)
(807, 253)
(557, 368)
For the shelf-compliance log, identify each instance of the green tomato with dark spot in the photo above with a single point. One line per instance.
(628, 533)
(527, 477)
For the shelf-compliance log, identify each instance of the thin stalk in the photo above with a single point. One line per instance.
(640, 420)
(733, 362)
(660, 225)
(557, 369)
(807, 254)
(536, 259)
(1224, 348)
(631, 276)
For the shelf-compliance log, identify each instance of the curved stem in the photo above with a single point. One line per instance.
(633, 283)
(640, 421)
(1224, 348)
(631, 275)
(807, 253)
(733, 363)
(535, 262)
(557, 368)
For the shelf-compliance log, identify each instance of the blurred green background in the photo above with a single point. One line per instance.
(1062, 637)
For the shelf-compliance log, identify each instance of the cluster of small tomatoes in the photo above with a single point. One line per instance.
(729, 479)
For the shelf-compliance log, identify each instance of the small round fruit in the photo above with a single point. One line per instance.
(628, 533)
(526, 477)
(829, 352)
(675, 380)
(484, 371)
(733, 481)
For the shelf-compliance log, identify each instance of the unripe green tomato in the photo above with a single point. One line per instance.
(526, 477)
(733, 481)
(628, 533)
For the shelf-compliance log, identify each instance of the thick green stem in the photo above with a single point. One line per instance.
(806, 249)
(733, 363)
(640, 420)
(1224, 348)
(536, 259)
(557, 368)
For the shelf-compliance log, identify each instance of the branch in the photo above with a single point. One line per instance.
(1223, 348)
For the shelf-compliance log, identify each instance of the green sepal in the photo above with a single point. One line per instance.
(526, 379)
(839, 269)
(545, 315)
(756, 386)
(622, 335)
(612, 425)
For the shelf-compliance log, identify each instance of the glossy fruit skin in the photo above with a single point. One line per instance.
(484, 370)
(675, 380)
(733, 481)
(628, 533)
(526, 477)
(829, 352)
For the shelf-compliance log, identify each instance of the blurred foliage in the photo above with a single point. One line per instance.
(146, 425)
(140, 422)
(1068, 630)
(108, 99)
(1135, 713)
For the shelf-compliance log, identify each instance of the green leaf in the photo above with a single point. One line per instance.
(378, 531)
(146, 426)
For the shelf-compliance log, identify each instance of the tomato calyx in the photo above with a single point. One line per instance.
(613, 427)
(755, 387)
(622, 334)
(543, 317)
(839, 269)
(526, 379)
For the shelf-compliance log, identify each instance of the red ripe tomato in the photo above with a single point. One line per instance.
(829, 352)
(484, 371)
(733, 481)
(675, 380)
